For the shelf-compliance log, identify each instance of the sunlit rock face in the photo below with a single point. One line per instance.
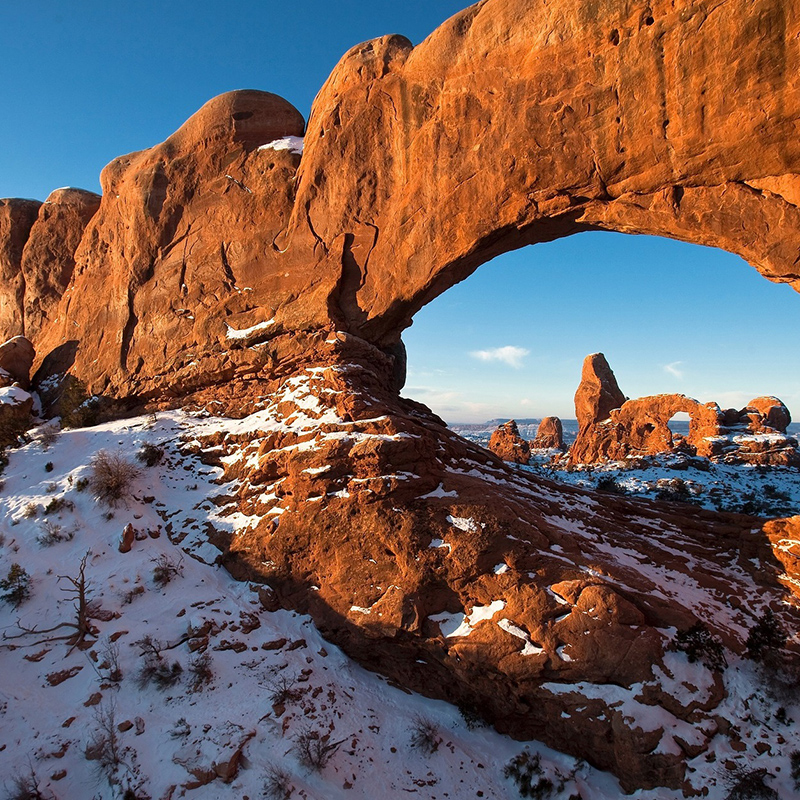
(230, 268)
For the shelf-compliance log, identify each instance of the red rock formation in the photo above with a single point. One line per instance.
(15, 414)
(48, 258)
(16, 359)
(221, 265)
(16, 220)
(597, 393)
(355, 236)
(549, 435)
(640, 427)
(766, 415)
(506, 443)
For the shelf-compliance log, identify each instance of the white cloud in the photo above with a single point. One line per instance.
(508, 355)
(674, 369)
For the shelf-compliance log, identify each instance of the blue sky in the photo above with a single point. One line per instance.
(90, 80)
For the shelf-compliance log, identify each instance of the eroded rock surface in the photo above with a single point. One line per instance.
(506, 443)
(553, 134)
(549, 435)
(16, 360)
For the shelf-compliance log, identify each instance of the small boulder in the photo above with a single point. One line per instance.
(766, 412)
(16, 406)
(126, 538)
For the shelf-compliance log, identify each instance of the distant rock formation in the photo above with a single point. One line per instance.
(597, 393)
(509, 445)
(550, 435)
(640, 427)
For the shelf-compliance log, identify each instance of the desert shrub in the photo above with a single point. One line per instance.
(81, 485)
(471, 716)
(75, 407)
(104, 746)
(111, 477)
(47, 436)
(794, 762)
(165, 569)
(283, 690)
(765, 638)
(313, 749)
(51, 487)
(608, 483)
(525, 769)
(675, 490)
(15, 588)
(748, 784)
(59, 504)
(159, 673)
(424, 735)
(53, 533)
(31, 510)
(150, 454)
(109, 662)
(129, 596)
(25, 786)
(200, 671)
(699, 644)
(277, 784)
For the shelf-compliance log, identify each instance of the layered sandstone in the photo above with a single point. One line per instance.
(507, 444)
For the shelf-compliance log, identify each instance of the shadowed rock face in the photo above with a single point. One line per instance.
(224, 269)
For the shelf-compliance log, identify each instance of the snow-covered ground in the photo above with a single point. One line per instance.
(757, 490)
(273, 681)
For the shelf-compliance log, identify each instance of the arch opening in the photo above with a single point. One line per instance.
(673, 318)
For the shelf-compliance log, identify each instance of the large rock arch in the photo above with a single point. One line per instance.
(513, 123)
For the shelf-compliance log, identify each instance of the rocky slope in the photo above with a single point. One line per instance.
(254, 680)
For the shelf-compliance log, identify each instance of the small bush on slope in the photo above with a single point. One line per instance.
(699, 644)
(111, 477)
(526, 771)
(16, 586)
(766, 637)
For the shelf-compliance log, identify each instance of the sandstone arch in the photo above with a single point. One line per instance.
(513, 123)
